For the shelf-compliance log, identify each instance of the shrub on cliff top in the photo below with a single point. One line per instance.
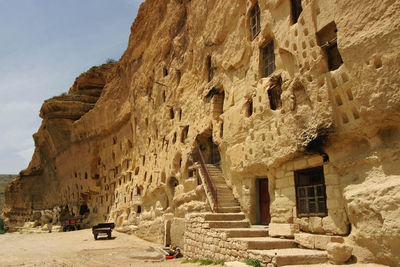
(110, 61)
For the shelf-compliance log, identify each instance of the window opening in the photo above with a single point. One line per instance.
(327, 40)
(255, 20)
(171, 113)
(249, 108)
(210, 69)
(296, 10)
(165, 72)
(267, 59)
(274, 93)
(184, 134)
(174, 139)
(310, 192)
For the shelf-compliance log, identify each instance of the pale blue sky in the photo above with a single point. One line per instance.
(44, 46)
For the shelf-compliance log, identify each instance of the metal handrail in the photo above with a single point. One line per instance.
(210, 185)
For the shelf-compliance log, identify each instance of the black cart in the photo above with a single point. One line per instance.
(102, 228)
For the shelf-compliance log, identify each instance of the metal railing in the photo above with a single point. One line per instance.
(209, 183)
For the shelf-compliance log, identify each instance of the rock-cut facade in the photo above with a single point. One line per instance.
(286, 111)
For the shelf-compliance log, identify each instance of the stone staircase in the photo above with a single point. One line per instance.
(227, 235)
(226, 200)
(232, 238)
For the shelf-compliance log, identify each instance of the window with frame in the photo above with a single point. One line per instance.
(255, 20)
(296, 10)
(267, 59)
(310, 192)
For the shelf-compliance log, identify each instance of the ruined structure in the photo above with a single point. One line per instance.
(279, 112)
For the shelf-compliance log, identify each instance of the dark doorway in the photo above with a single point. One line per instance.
(209, 150)
(264, 201)
(83, 209)
(215, 157)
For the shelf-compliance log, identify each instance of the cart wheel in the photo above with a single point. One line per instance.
(95, 237)
(109, 235)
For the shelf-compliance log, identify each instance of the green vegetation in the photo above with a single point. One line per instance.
(254, 263)
(68, 94)
(2, 229)
(110, 61)
(204, 261)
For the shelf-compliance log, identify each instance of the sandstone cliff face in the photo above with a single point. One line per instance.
(192, 77)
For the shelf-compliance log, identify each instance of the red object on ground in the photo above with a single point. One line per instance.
(168, 257)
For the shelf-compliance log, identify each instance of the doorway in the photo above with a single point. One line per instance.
(215, 157)
(264, 201)
(208, 148)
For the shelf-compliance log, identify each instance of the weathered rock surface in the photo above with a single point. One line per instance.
(338, 253)
(119, 146)
(4, 180)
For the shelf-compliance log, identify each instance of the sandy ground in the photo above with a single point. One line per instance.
(78, 248)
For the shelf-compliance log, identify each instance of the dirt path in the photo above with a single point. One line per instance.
(78, 248)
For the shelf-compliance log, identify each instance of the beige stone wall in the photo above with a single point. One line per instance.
(150, 111)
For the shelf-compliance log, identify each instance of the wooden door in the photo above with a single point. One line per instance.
(265, 216)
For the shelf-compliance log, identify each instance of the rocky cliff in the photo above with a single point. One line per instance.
(4, 181)
(272, 92)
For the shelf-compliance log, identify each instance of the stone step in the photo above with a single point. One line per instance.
(223, 188)
(245, 232)
(227, 203)
(291, 256)
(229, 209)
(224, 217)
(227, 199)
(228, 224)
(265, 242)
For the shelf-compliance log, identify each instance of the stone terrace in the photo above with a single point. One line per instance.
(229, 237)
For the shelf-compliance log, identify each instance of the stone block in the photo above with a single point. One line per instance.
(315, 161)
(304, 239)
(338, 253)
(289, 192)
(283, 229)
(331, 179)
(315, 224)
(300, 164)
(322, 241)
(282, 182)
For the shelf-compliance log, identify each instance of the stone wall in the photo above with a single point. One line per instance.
(203, 242)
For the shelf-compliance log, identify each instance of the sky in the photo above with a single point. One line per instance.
(44, 46)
